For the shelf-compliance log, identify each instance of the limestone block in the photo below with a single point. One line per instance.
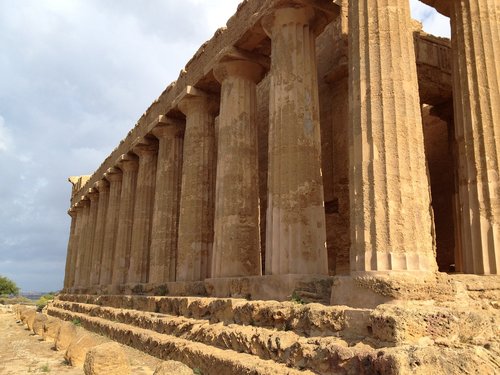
(172, 368)
(38, 323)
(20, 310)
(30, 319)
(78, 348)
(65, 335)
(412, 322)
(51, 328)
(106, 359)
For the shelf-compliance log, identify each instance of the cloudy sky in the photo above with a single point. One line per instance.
(75, 75)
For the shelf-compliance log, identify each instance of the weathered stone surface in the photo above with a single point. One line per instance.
(351, 144)
(106, 359)
(237, 234)
(129, 165)
(394, 339)
(79, 346)
(51, 328)
(195, 236)
(146, 150)
(172, 368)
(166, 206)
(99, 232)
(29, 318)
(391, 226)
(65, 335)
(39, 323)
(295, 222)
(114, 176)
(476, 79)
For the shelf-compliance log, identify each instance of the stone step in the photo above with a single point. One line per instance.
(285, 347)
(208, 359)
(308, 320)
(323, 355)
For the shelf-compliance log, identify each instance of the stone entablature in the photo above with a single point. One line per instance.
(299, 123)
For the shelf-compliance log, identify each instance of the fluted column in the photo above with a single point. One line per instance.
(146, 150)
(114, 176)
(84, 205)
(295, 232)
(475, 27)
(197, 193)
(100, 228)
(163, 250)
(93, 195)
(71, 248)
(237, 233)
(129, 165)
(77, 209)
(391, 225)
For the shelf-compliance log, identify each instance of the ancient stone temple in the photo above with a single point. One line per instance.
(315, 151)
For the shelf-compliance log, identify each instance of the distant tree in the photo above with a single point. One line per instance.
(8, 287)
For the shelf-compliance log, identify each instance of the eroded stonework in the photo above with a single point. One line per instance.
(321, 151)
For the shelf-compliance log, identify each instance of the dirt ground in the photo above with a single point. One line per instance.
(22, 352)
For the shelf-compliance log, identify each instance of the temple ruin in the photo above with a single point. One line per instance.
(310, 150)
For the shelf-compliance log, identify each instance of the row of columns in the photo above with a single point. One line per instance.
(178, 207)
(391, 217)
(208, 228)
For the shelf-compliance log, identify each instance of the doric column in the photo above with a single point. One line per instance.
(475, 35)
(93, 195)
(391, 225)
(295, 233)
(71, 248)
(84, 205)
(163, 250)
(129, 165)
(114, 176)
(197, 194)
(146, 149)
(102, 187)
(77, 210)
(237, 233)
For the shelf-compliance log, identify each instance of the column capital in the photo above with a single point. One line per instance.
(128, 162)
(72, 212)
(294, 12)
(192, 99)
(235, 62)
(101, 185)
(93, 194)
(167, 131)
(84, 201)
(165, 120)
(442, 6)
(144, 146)
(76, 207)
(113, 174)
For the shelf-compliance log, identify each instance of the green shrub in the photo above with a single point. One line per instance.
(76, 322)
(43, 300)
(8, 287)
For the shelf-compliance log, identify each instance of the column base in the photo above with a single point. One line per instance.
(302, 288)
(370, 289)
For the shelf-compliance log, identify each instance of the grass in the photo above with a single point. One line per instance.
(297, 299)
(45, 368)
(76, 322)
